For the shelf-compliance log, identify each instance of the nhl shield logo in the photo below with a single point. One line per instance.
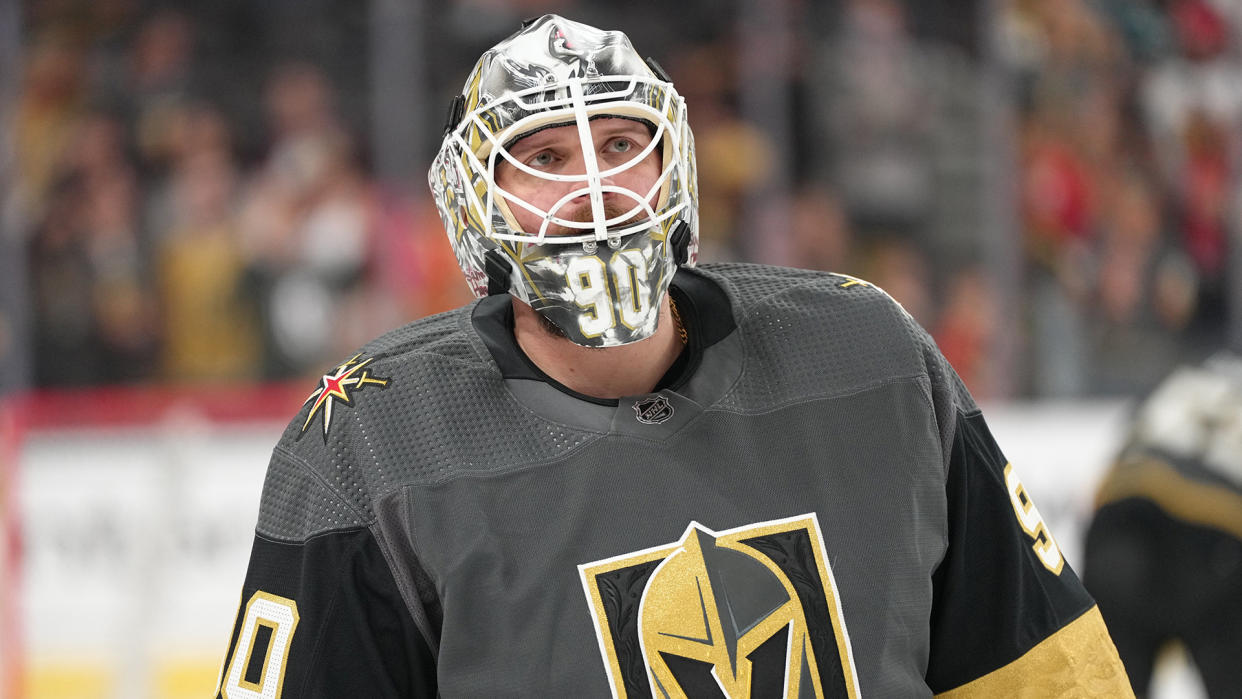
(653, 410)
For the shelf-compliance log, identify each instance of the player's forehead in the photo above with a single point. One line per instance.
(567, 134)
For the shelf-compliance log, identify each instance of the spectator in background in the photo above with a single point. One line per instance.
(305, 224)
(1164, 551)
(158, 85)
(123, 305)
(735, 156)
(58, 265)
(895, 264)
(45, 120)
(415, 275)
(209, 324)
(878, 117)
(1144, 292)
(965, 329)
(820, 236)
(95, 314)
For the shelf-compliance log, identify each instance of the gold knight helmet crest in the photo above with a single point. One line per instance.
(749, 612)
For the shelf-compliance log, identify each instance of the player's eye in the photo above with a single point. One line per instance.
(542, 160)
(620, 145)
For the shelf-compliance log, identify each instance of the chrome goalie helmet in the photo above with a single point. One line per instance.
(600, 276)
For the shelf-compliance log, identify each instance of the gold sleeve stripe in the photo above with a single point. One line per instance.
(1182, 498)
(1077, 661)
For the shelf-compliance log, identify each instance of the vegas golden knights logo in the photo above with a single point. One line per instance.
(745, 613)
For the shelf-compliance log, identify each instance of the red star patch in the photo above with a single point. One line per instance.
(350, 376)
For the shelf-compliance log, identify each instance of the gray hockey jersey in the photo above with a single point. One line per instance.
(810, 505)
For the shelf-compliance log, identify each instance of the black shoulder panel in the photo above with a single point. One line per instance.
(323, 618)
(994, 597)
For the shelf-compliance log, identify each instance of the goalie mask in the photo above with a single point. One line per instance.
(597, 272)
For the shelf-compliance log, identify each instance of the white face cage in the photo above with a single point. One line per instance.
(572, 102)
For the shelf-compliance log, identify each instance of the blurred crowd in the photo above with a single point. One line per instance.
(1128, 137)
(164, 245)
(196, 199)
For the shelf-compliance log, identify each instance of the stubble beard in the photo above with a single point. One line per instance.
(551, 328)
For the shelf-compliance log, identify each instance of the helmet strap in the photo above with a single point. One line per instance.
(497, 268)
(456, 110)
(658, 70)
(679, 241)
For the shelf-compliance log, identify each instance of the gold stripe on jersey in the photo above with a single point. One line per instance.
(1079, 660)
(1182, 498)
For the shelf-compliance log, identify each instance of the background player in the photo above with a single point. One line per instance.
(1164, 551)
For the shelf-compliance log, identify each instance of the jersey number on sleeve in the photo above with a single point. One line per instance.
(1033, 523)
(257, 668)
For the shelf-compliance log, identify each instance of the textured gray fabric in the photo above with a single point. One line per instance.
(447, 412)
(827, 399)
(297, 505)
(509, 542)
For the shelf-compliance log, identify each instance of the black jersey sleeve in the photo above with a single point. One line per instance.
(322, 616)
(1008, 612)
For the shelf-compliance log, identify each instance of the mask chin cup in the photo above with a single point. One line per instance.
(497, 268)
(679, 241)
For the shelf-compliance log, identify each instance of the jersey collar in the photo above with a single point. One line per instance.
(707, 368)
